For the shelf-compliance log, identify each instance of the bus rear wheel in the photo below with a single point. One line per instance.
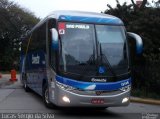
(25, 86)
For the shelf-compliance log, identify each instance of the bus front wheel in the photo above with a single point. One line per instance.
(46, 97)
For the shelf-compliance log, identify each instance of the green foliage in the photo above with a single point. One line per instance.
(14, 24)
(146, 23)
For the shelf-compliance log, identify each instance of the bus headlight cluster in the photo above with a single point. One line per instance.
(64, 86)
(126, 88)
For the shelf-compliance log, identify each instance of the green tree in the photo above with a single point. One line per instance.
(15, 22)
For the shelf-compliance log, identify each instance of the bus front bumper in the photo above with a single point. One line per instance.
(64, 98)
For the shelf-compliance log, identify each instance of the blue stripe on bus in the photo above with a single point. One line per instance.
(109, 20)
(110, 86)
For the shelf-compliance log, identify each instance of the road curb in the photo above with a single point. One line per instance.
(145, 101)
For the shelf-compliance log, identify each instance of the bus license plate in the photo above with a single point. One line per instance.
(97, 101)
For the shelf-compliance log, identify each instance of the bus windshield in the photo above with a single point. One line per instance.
(85, 47)
(112, 47)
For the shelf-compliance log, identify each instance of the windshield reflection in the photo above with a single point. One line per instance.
(81, 45)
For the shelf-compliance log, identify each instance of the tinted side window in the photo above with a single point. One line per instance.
(24, 45)
(41, 37)
(38, 39)
(33, 43)
(53, 53)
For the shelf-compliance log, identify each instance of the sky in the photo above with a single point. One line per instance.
(41, 8)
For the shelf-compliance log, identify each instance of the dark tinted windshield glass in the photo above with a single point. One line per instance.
(89, 50)
(112, 45)
(77, 53)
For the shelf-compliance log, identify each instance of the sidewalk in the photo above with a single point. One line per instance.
(4, 81)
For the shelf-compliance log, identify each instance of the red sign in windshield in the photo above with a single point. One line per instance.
(61, 28)
(62, 25)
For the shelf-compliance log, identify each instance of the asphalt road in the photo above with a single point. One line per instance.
(13, 99)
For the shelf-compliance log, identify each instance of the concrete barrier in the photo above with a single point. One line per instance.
(145, 101)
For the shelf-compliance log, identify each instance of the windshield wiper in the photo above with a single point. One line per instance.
(107, 63)
(89, 62)
(86, 65)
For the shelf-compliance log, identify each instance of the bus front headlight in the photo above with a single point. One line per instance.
(66, 99)
(64, 86)
(126, 99)
(126, 88)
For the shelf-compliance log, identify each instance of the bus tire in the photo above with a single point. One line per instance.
(25, 86)
(46, 100)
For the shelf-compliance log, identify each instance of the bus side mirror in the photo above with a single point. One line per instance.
(139, 42)
(54, 36)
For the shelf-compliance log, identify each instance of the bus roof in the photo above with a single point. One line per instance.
(81, 17)
(86, 17)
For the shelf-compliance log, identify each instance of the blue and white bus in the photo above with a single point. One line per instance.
(74, 58)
